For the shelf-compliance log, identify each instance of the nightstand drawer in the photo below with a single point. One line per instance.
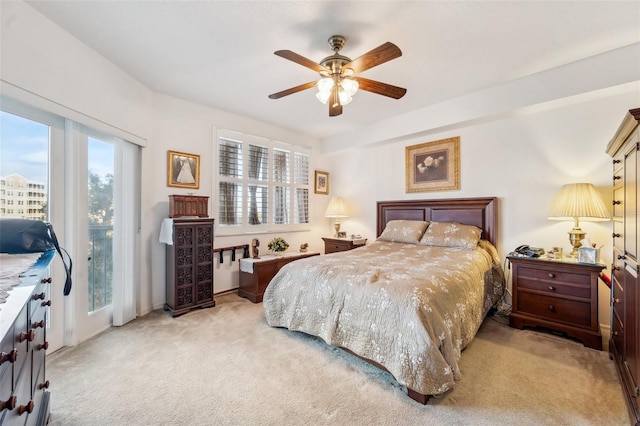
(552, 287)
(554, 276)
(556, 309)
(335, 247)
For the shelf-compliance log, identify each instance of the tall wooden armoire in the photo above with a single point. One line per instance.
(190, 260)
(624, 345)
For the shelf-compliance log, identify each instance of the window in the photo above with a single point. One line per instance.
(263, 185)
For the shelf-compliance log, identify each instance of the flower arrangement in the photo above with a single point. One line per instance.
(278, 245)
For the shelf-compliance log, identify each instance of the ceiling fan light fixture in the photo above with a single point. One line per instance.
(325, 84)
(323, 96)
(344, 97)
(350, 86)
(339, 75)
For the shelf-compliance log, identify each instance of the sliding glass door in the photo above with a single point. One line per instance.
(86, 184)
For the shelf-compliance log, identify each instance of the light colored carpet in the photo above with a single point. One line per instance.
(226, 366)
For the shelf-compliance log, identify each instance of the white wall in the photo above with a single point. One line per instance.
(522, 159)
(45, 66)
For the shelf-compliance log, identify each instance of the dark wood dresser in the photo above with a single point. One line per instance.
(190, 266)
(24, 394)
(558, 295)
(624, 345)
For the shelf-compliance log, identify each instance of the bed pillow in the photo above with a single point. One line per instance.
(403, 231)
(451, 234)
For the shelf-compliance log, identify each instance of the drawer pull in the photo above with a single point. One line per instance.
(615, 300)
(40, 296)
(552, 308)
(47, 303)
(44, 346)
(616, 161)
(616, 177)
(26, 408)
(39, 324)
(26, 336)
(44, 385)
(621, 257)
(46, 280)
(11, 356)
(616, 202)
(616, 333)
(9, 404)
(552, 288)
(552, 275)
(615, 235)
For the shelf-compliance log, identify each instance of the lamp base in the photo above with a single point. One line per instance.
(575, 236)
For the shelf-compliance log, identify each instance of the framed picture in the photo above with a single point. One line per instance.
(342, 234)
(322, 183)
(183, 170)
(433, 166)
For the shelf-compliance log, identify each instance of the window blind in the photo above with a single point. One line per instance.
(261, 183)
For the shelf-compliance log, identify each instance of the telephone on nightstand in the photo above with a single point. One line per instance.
(527, 251)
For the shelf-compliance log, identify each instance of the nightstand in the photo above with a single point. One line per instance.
(561, 295)
(333, 245)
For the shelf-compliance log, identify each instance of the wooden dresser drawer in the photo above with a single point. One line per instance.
(617, 333)
(334, 247)
(618, 235)
(552, 287)
(554, 276)
(556, 309)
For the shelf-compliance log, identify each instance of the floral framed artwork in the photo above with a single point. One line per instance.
(433, 166)
(183, 170)
(321, 183)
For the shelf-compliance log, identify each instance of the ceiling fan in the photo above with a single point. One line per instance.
(339, 82)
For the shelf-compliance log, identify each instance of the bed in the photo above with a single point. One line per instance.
(409, 302)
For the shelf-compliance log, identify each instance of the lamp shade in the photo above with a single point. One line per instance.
(579, 201)
(336, 208)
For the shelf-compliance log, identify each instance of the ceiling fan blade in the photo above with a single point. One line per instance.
(379, 88)
(334, 104)
(375, 57)
(293, 90)
(301, 60)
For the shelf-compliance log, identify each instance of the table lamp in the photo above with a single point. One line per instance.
(577, 201)
(337, 209)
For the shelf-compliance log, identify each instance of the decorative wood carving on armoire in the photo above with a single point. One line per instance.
(624, 345)
(190, 264)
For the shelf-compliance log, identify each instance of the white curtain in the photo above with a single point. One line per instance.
(127, 232)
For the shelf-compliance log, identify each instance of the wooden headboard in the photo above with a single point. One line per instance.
(480, 212)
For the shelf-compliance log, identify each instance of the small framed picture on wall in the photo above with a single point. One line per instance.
(321, 183)
(183, 170)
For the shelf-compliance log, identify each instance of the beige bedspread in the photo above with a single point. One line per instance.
(411, 308)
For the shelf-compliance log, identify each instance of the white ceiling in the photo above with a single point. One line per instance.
(220, 53)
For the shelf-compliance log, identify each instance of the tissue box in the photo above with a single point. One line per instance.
(588, 255)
